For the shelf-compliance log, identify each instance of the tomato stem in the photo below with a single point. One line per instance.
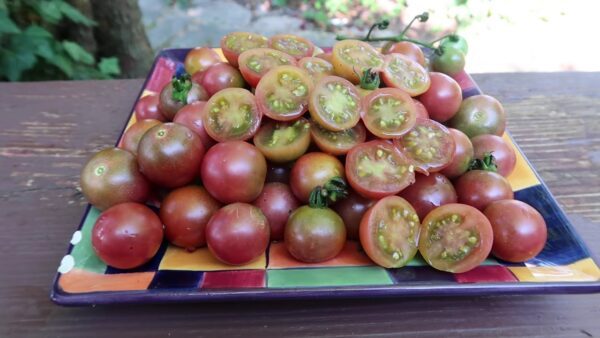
(181, 87)
(379, 25)
(330, 192)
(423, 17)
(369, 80)
(487, 163)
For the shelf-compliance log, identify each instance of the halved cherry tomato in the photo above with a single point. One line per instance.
(388, 112)
(401, 72)
(455, 238)
(377, 169)
(326, 56)
(389, 232)
(231, 114)
(337, 142)
(234, 44)
(408, 49)
(255, 63)
(293, 45)
(316, 67)
(283, 141)
(352, 57)
(429, 145)
(282, 94)
(335, 103)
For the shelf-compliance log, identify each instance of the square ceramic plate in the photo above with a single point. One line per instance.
(175, 275)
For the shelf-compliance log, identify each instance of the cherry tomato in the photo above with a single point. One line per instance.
(455, 41)
(282, 93)
(185, 213)
(170, 155)
(388, 112)
(255, 63)
(376, 169)
(231, 114)
(429, 145)
(147, 108)
(403, 73)
(421, 110)
(200, 59)
(221, 76)
(111, 177)
(277, 202)
(293, 45)
(133, 134)
(283, 141)
(127, 235)
(312, 170)
(316, 67)
(520, 231)
(237, 234)
(389, 232)
(443, 97)
(449, 60)
(463, 155)
(191, 116)
(350, 59)
(334, 103)
(351, 209)
(234, 44)
(234, 171)
(408, 49)
(429, 192)
(337, 142)
(479, 188)
(169, 106)
(314, 235)
(505, 156)
(478, 115)
(326, 56)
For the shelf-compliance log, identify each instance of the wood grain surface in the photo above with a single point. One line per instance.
(48, 130)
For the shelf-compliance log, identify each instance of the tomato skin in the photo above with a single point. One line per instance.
(234, 171)
(200, 59)
(267, 140)
(169, 107)
(312, 170)
(443, 98)
(456, 41)
(221, 76)
(231, 115)
(277, 202)
(429, 192)
(170, 154)
(127, 235)
(479, 188)
(330, 90)
(326, 56)
(421, 110)
(185, 213)
(133, 134)
(478, 115)
(408, 49)
(270, 91)
(376, 111)
(191, 116)
(111, 177)
(237, 234)
(337, 142)
(265, 60)
(403, 73)
(463, 155)
(233, 44)
(147, 108)
(351, 209)
(299, 48)
(451, 62)
(504, 154)
(314, 235)
(520, 232)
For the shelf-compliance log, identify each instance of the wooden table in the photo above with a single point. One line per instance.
(48, 130)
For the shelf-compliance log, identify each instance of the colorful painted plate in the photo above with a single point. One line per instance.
(175, 275)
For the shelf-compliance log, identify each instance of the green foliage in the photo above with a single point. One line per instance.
(322, 11)
(30, 49)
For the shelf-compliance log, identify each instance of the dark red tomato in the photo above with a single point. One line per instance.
(312, 170)
(408, 49)
(443, 97)
(169, 106)
(234, 44)
(282, 93)
(478, 115)
(147, 108)
(279, 172)
(293, 45)
(314, 235)
(421, 110)
(277, 202)
(429, 145)
(520, 231)
(389, 232)
(351, 209)
(185, 213)
(403, 73)
(133, 134)
(234, 171)
(255, 63)
(334, 103)
(200, 59)
(455, 238)
(221, 76)
(283, 141)
(504, 154)
(170, 155)
(111, 177)
(350, 59)
(463, 155)
(316, 67)
(429, 192)
(127, 235)
(238, 234)
(231, 114)
(191, 116)
(337, 142)
(326, 56)
(479, 188)
(376, 169)
(388, 112)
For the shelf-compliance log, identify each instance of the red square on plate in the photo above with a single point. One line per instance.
(233, 279)
(486, 273)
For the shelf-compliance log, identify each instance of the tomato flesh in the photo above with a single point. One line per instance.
(255, 63)
(231, 114)
(293, 45)
(233, 44)
(283, 141)
(403, 73)
(337, 142)
(352, 57)
(388, 112)
(316, 67)
(283, 93)
(335, 104)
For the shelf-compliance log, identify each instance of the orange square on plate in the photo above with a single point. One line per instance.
(280, 258)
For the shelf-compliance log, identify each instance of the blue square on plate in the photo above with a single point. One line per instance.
(176, 279)
(152, 265)
(427, 274)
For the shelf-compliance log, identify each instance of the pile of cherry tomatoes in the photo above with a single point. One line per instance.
(288, 143)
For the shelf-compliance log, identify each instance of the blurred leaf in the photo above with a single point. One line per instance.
(75, 15)
(41, 40)
(63, 63)
(109, 66)
(6, 24)
(77, 53)
(460, 2)
(14, 63)
(49, 10)
(280, 3)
